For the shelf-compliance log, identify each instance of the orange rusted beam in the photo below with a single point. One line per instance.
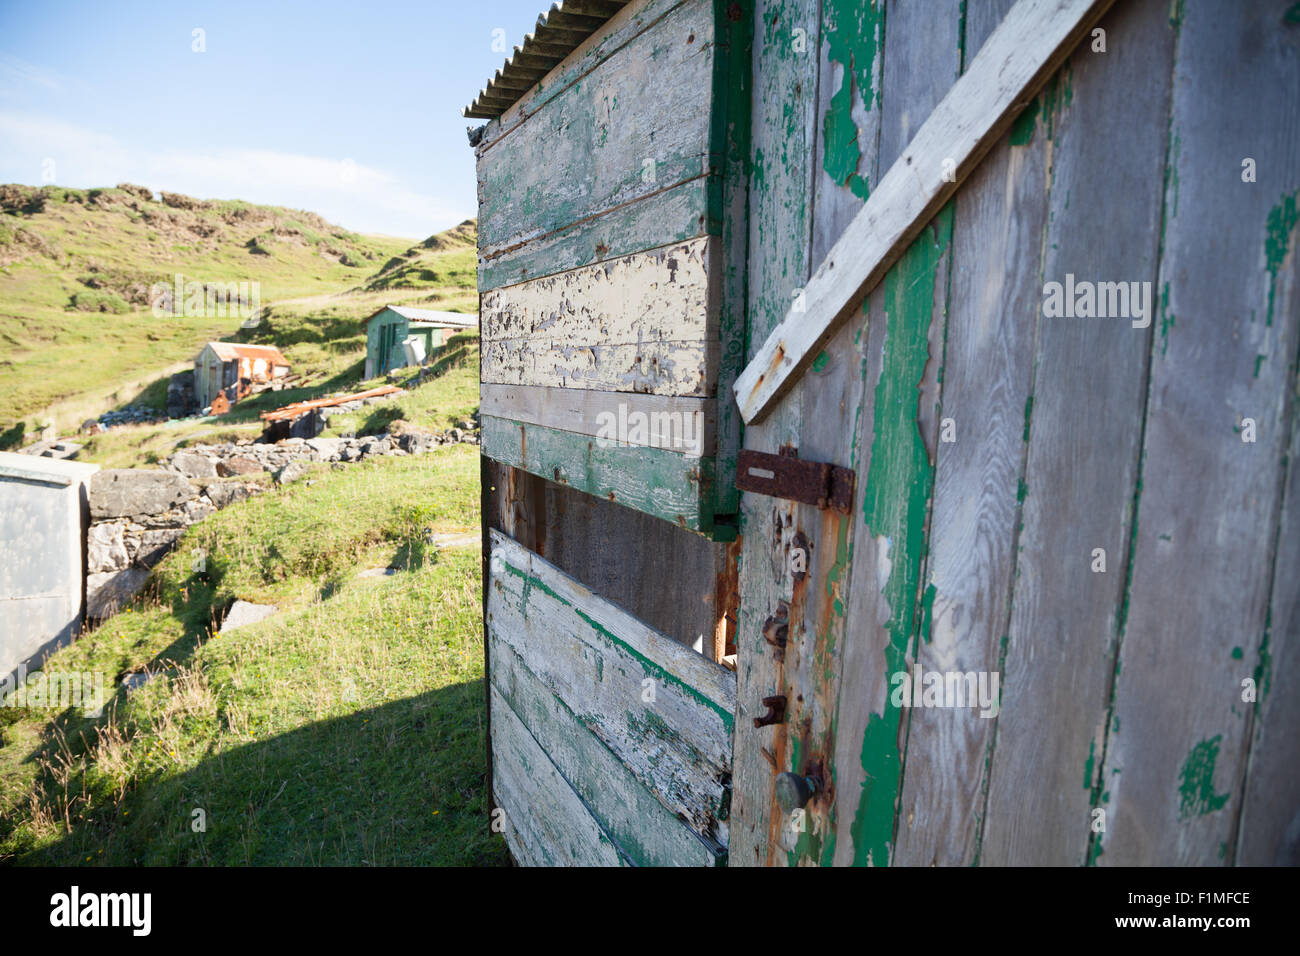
(298, 408)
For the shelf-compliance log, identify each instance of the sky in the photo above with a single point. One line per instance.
(347, 109)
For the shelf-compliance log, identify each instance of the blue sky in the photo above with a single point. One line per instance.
(351, 110)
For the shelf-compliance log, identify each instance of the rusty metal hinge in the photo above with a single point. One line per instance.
(786, 476)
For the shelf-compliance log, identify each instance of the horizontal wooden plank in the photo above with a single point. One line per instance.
(659, 482)
(644, 830)
(685, 425)
(546, 823)
(635, 125)
(659, 368)
(665, 711)
(1025, 49)
(668, 294)
(622, 28)
(670, 215)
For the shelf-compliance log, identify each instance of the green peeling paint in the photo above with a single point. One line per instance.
(1292, 16)
(1237, 653)
(821, 361)
(894, 506)
(1196, 792)
(1088, 765)
(1280, 224)
(853, 32)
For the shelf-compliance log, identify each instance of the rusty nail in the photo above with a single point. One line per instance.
(775, 711)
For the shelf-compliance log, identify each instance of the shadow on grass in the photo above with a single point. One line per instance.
(401, 783)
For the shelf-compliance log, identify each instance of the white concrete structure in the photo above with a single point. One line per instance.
(44, 512)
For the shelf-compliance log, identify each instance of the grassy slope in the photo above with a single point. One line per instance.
(348, 729)
(62, 364)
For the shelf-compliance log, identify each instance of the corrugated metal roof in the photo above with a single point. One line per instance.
(459, 319)
(558, 33)
(229, 351)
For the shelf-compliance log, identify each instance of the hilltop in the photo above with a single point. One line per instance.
(78, 336)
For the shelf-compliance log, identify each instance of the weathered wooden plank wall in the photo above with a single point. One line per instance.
(594, 687)
(1197, 619)
(980, 512)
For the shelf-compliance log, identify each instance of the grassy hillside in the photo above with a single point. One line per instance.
(77, 335)
(346, 729)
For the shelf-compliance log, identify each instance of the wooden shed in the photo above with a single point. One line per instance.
(231, 369)
(888, 418)
(390, 330)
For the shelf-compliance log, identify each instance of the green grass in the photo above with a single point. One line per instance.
(347, 729)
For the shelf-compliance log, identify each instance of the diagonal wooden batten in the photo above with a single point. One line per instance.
(1022, 53)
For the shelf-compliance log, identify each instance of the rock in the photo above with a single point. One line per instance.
(223, 493)
(243, 613)
(106, 547)
(191, 464)
(120, 492)
(196, 510)
(349, 452)
(291, 472)
(455, 434)
(327, 448)
(107, 592)
(154, 546)
(239, 465)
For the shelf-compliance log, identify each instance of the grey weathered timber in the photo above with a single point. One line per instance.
(686, 425)
(783, 138)
(1084, 428)
(662, 77)
(994, 305)
(1207, 512)
(895, 434)
(666, 712)
(642, 828)
(545, 822)
(667, 484)
(1033, 39)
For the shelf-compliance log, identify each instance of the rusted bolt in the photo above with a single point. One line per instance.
(793, 790)
(776, 630)
(775, 711)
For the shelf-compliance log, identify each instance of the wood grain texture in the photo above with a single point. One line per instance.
(667, 484)
(1033, 39)
(994, 305)
(685, 425)
(615, 550)
(658, 368)
(1209, 503)
(545, 822)
(642, 828)
(1084, 433)
(599, 660)
(895, 434)
(635, 125)
(783, 138)
(667, 294)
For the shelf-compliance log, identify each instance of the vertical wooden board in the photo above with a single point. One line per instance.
(1269, 833)
(894, 427)
(995, 301)
(546, 823)
(1084, 428)
(1209, 502)
(596, 658)
(663, 483)
(729, 149)
(783, 136)
(636, 125)
(642, 828)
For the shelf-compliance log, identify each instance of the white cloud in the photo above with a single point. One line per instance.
(18, 77)
(359, 197)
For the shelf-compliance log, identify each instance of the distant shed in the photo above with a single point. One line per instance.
(392, 327)
(233, 368)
